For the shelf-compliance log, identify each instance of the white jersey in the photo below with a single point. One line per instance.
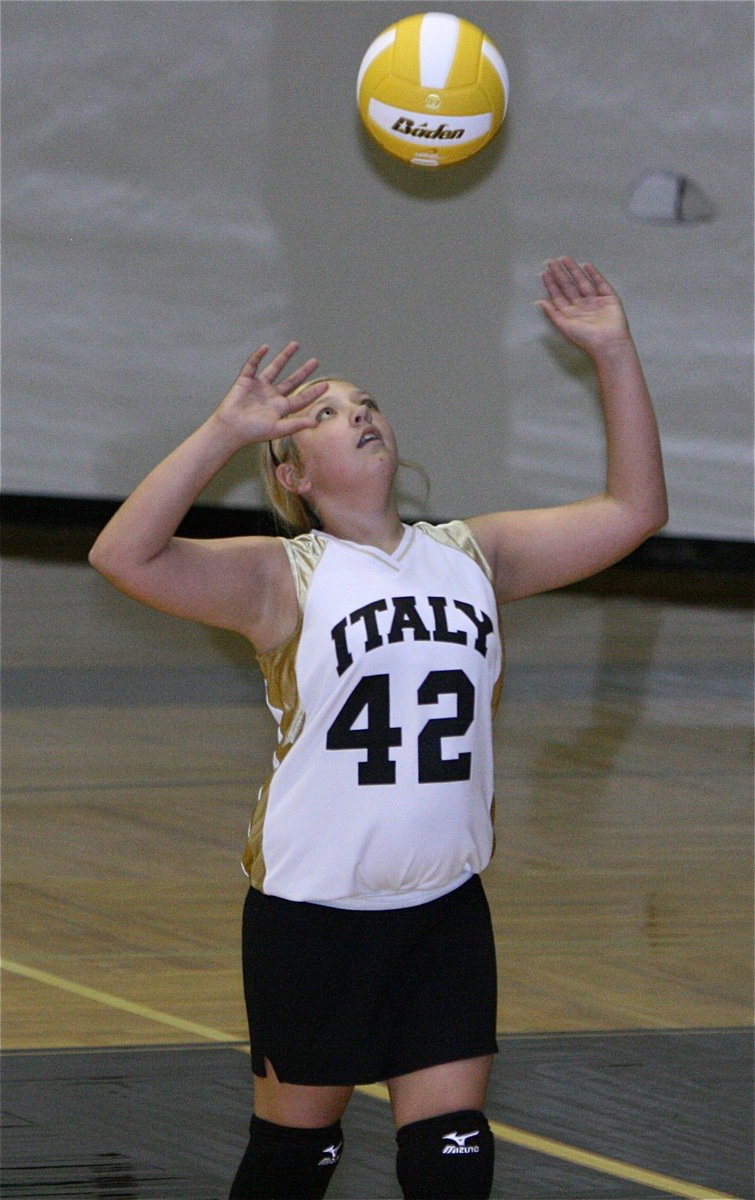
(381, 794)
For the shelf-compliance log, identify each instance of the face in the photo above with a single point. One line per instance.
(351, 441)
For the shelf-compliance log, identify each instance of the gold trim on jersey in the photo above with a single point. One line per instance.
(458, 535)
(278, 667)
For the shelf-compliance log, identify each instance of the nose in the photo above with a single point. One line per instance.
(359, 414)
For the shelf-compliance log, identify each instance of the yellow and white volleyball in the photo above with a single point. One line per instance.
(432, 89)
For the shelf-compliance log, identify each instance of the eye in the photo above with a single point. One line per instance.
(326, 411)
(372, 403)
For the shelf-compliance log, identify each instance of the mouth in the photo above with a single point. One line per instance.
(369, 435)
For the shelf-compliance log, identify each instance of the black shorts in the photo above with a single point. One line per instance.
(339, 996)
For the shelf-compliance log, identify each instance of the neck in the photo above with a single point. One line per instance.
(383, 530)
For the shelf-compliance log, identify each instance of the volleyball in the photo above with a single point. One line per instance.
(432, 89)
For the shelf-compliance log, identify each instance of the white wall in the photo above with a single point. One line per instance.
(182, 180)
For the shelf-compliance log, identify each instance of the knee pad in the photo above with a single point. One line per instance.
(281, 1163)
(449, 1157)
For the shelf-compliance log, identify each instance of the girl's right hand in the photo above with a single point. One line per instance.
(257, 409)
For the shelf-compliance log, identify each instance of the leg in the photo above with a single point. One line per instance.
(439, 1090)
(295, 1137)
(297, 1104)
(445, 1147)
(295, 1141)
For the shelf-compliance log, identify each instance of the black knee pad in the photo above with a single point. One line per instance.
(446, 1158)
(281, 1163)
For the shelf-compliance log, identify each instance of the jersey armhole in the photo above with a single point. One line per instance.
(304, 553)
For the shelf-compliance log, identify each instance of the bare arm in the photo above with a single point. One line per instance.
(234, 583)
(536, 550)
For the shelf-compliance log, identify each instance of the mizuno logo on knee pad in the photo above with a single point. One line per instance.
(459, 1140)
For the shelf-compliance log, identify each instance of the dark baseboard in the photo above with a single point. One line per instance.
(686, 569)
(64, 527)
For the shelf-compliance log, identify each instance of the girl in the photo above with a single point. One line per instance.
(368, 950)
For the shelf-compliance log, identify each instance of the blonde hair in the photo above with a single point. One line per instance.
(297, 515)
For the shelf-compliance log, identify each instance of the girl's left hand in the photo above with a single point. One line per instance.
(582, 305)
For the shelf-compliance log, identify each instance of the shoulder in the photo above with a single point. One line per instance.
(272, 603)
(303, 553)
(461, 536)
(289, 568)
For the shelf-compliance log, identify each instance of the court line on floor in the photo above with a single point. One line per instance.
(585, 1158)
(506, 1133)
(111, 1001)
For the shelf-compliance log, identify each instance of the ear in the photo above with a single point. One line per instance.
(288, 477)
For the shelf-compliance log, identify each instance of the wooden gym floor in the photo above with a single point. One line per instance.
(621, 894)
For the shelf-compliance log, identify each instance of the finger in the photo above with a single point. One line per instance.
(298, 376)
(558, 284)
(582, 280)
(255, 358)
(601, 285)
(310, 394)
(573, 279)
(295, 419)
(276, 365)
(288, 426)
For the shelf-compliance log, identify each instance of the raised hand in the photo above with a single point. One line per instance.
(258, 408)
(582, 305)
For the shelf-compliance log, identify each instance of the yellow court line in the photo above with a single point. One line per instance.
(505, 1133)
(609, 1166)
(137, 1010)
(584, 1158)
